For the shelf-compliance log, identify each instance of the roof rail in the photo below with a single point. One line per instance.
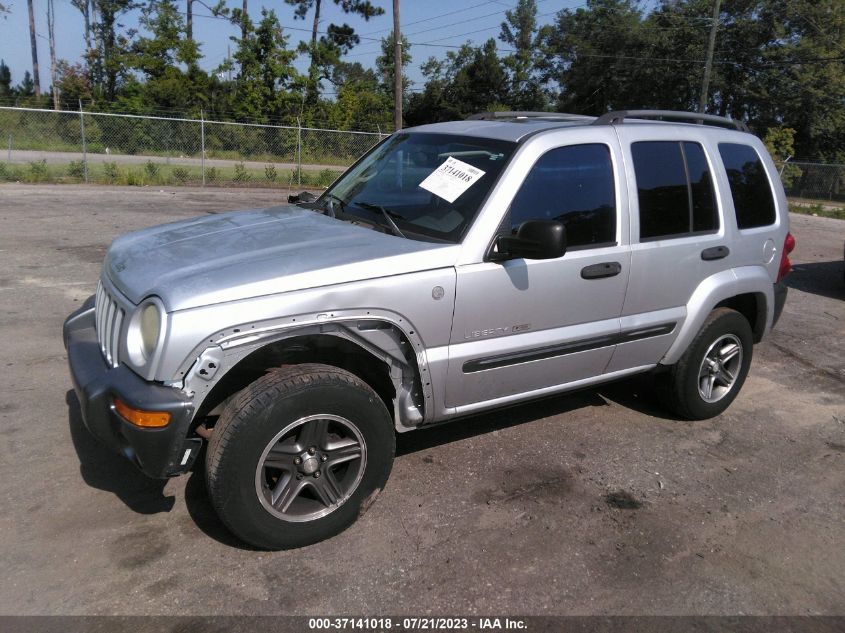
(619, 116)
(558, 116)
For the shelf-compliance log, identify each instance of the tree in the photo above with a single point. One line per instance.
(470, 80)
(263, 87)
(109, 55)
(86, 9)
(167, 61)
(338, 38)
(780, 143)
(5, 81)
(26, 88)
(73, 83)
(385, 64)
(519, 30)
(591, 53)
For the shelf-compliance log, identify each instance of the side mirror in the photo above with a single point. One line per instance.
(534, 239)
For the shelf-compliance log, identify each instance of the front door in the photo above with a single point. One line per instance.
(524, 326)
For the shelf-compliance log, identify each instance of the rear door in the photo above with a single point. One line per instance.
(678, 234)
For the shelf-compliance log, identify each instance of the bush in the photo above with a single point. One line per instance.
(76, 169)
(327, 177)
(134, 178)
(151, 170)
(111, 173)
(241, 174)
(38, 171)
(211, 174)
(180, 174)
(270, 173)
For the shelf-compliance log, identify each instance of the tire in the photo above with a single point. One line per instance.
(298, 456)
(725, 337)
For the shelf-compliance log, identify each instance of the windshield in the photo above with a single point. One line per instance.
(421, 185)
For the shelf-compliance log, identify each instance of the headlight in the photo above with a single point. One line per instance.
(145, 330)
(150, 328)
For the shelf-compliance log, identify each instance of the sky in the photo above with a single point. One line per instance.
(437, 23)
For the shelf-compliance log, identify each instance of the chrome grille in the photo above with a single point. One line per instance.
(109, 320)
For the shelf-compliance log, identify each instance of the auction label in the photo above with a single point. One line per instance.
(426, 623)
(451, 179)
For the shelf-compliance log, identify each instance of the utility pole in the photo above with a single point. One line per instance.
(189, 20)
(708, 65)
(51, 36)
(35, 76)
(397, 69)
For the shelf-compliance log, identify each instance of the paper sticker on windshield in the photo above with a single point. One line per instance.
(451, 179)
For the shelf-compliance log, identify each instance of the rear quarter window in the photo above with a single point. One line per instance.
(752, 194)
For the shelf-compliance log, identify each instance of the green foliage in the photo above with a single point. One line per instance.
(241, 173)
(180, 175)
(76, 169)
(327, 177)
(38, 171)
(780, 143)
(819, 210)
(151, 169)
(111, 172)
(270, 173)
(211, 174)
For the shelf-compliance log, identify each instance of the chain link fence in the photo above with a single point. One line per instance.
(814, 183)
(67, 146)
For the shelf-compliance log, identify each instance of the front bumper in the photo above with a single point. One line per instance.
(158, 452)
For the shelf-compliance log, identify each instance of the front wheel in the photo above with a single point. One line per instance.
(711, 372)
(297, 455)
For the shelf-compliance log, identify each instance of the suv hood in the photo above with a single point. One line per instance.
(245, 254)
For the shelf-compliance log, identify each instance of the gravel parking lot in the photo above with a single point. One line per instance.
(593, 503)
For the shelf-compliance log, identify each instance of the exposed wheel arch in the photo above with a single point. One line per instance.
(377, 352)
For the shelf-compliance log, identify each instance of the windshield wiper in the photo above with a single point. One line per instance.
(387, 216)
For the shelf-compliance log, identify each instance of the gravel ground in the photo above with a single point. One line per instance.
(593, 503)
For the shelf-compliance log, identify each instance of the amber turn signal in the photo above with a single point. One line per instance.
(141, 418)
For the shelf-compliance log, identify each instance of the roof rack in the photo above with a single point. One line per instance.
(619, 116)
(556, 116)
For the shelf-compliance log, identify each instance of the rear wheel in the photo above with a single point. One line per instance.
(711, 372)
(298, 455)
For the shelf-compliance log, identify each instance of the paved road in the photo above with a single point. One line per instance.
(63, 158)
(503, 513)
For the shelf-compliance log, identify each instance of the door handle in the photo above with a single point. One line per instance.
(716, 252)
(600, 271)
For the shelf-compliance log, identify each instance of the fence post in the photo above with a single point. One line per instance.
(298, 151)
(202, 146)
(10, 148)
(84, 151)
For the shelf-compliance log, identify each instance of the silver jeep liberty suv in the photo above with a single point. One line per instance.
(455, 268)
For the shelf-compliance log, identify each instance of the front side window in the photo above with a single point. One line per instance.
(752, 195)
(674, 188)
(574, 185)
(396, 179)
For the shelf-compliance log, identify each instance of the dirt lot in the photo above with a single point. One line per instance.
(505, 513)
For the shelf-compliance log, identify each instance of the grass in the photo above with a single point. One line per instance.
(818, 209)
(152, 173)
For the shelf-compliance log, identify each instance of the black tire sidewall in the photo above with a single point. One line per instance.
(234, 493)
(719, 324)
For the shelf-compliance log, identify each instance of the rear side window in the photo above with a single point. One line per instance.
(675, 189)
(750, 189)
(574, 185)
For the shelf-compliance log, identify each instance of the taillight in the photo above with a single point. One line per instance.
(785, 264)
